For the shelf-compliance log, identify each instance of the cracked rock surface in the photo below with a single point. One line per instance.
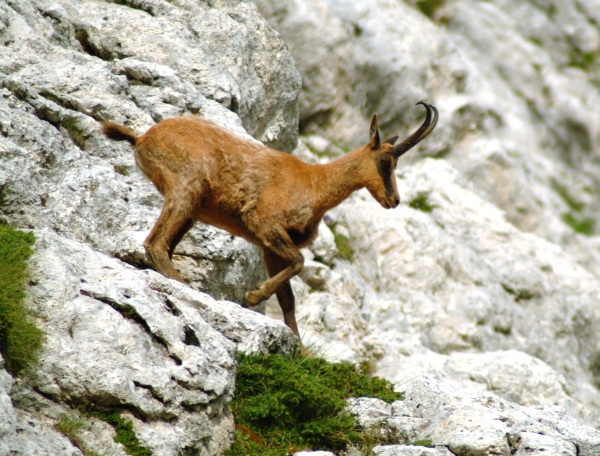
(157, 351)
(65, 65)
(465, 422)
(478, 296)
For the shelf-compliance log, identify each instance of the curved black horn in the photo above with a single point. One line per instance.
(426, 128)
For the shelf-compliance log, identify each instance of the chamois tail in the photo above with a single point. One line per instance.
(118, 132)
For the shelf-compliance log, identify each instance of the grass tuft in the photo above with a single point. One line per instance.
(421, 203)
(429, 7)
(424, 443)
(121, 169)
(344, 247)
(20, 339)
(70, 425)
(581, 225)
(298, 403)
(125, 433)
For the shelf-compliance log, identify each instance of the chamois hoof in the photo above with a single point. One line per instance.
(255, 297)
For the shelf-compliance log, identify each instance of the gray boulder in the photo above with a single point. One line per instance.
(154, 350)
(69, 64)
(516, 83)
(465, 422)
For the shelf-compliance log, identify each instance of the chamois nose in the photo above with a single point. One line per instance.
(397, 201)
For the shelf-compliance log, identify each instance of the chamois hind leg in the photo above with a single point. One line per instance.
(171, 226)
(280, 244)
(177, 239)
(285, 295)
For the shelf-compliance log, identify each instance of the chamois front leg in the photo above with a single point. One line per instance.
(285, 295)
(280, 245)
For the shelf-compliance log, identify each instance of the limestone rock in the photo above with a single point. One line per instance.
(158, 352)
(457, 276)
(7, 412)
(467, 422)
(516, 83)
(67, 64)
(445, 286)
(410, 450)
(34, 437)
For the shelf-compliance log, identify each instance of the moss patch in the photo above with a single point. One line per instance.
(563, 192)
(421, 203)
(581, 225)
(342, 243)
(75, 131)
(125, 433)
(20, 339)
(70, 425)
(290, 404)
(121, 169)
(423, 443)
(583, 60)
(429, 7)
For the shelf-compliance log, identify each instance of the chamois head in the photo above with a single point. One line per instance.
(381, 180)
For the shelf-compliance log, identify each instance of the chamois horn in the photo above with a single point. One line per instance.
(426, 128)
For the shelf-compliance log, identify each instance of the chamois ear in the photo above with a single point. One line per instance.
(391, 140)
(375, 141)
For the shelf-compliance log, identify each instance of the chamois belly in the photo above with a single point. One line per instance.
(220, 219)
(302, 238)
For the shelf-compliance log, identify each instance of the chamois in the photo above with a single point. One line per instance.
(270, 198)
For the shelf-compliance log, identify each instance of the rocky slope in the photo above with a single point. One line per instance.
(116, 336)
(516, 83)
(447, 285)
(482, 279)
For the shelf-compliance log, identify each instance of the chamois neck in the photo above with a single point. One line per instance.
(335, 181)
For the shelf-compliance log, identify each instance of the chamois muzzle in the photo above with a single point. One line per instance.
(414, 139)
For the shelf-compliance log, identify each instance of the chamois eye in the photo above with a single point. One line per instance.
(386, 163)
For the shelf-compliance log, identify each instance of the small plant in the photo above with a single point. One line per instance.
(420, 203)
(125, 433)
(342, 242)
(581, 225)
(20, 339)
(121, 169)
(429, 7)
(563, 192)
(299, 403)
(424, 443)
(69, 425)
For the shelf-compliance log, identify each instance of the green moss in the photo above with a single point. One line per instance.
(70, 425)
(421, 203)
(76, 133)
(298, 403)
(429, 7)
(562, 191)
(423, 443)
(20, 339)
(121, 169)
(581, 225)
(583, 60)
(342, 243)
(125, 433)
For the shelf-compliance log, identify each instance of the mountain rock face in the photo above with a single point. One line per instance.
(516, 83)
(466, 422)
(479, 295)
(162, 355)
(64, 66)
